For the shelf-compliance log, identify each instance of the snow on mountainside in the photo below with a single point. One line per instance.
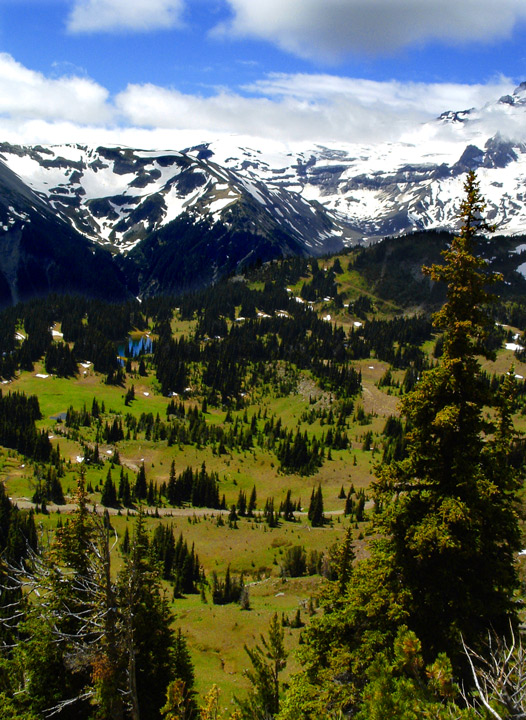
(118, 196)
(392, 188)
(321, 198)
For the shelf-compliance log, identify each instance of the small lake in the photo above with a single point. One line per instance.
(132, 347)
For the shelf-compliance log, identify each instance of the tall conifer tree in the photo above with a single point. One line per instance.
(443, 563)
(449, 508)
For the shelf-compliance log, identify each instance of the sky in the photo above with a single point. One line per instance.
(161, 73)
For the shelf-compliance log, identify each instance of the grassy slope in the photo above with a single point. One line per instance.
(217, 634)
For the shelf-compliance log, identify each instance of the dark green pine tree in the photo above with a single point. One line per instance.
(125, 544)
(449, 508)
(349, 504)
(252, 502)
(288, 507)
(148, 637)
(268, 660)
(141, 487)
(183, 670)
(172, 493)
(442, 566)
(315, 512)
(242, 503)
(108, 496)
(56, 493)
(124, 489)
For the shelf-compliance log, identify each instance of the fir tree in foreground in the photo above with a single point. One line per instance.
(442, 572)
(92, 644)
(450, 510)
(268, 661)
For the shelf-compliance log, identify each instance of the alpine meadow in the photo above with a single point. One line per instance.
(296, 493)
(262, 360)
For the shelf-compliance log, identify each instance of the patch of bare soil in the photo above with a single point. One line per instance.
(308, 389)
(376, 401)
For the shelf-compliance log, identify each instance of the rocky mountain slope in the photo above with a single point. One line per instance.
(117, 196)
(40, 253)
(183, 218)
(393, 188)
(321, 197)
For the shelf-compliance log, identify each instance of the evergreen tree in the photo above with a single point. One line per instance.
(315, 512)
(242, 503)
(442, 565)
(108, 496)
(252, 502)
(268, 660)
(125, 545)
(184, 672)
(288, 507)
(141, 487)
(124, 489)
(449, 507)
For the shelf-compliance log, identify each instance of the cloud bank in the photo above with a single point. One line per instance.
(319, 108)
(285, 107)
(29, 94)
(331, 29)
(88, 16)
(326, 30)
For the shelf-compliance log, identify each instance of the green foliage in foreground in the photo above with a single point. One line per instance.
(87, 645)
(441, 572)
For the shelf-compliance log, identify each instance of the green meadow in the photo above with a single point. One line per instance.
(217, 634)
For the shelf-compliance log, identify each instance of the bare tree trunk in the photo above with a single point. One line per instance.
(130, 642)
(500, 675)
(114, 700)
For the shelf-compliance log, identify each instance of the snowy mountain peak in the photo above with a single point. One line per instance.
(458, 116)
(517, 98)
(319, 198)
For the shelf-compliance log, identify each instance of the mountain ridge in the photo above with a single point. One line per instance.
(215, 207)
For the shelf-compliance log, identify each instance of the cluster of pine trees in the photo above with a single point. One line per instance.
(404, 633)
(18, 431)
(91, 644)
(179, 563)
(200, 488)
(230, 590)
(92, 326)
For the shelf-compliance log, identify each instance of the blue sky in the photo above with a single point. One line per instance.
(150, 72)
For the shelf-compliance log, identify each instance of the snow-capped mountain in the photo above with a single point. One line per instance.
(215, 207)
(117, 196)
(323, 197)
(40, 253)
(392, 188)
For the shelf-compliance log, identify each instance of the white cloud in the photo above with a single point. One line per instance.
(152, 106)
(44, 132)
(289, 108)
(119, 15)
(330, 29)
(425, 98)
(318, 108)
(28, 94)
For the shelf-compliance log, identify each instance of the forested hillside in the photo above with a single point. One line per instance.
(295, 494)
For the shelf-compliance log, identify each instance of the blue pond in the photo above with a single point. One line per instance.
(133, 347)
